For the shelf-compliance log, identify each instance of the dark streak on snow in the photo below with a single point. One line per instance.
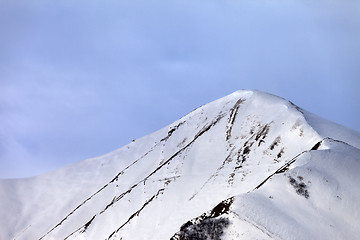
(168, 180)
(116, 199)
(102, 188)
(160, 191)
(201, 132)
(171, 131)
(296, 107)
(286, 166)
(259, 137)
(88, 223)
(244, 151)
(263, 133)
(107, 206)
(280, 153)
(275, 143)
(233, 113)
(84, 228)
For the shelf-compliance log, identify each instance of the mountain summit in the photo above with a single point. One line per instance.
(248, 166)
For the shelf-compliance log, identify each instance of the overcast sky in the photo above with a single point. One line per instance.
(82, 78)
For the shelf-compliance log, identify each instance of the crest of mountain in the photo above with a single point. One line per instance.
(248, 166)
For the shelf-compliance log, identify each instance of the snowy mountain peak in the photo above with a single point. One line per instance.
(250, 164)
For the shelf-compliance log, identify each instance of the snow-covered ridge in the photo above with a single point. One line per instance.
(251, 147)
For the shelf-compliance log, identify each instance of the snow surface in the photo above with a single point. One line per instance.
(291, 174)
(329, 212)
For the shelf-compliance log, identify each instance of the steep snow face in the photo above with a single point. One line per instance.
(316, 199)
(236, 146)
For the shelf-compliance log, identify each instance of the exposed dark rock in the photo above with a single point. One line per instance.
(316, 146)
(300, 187)
(208, 226)
(208, 229)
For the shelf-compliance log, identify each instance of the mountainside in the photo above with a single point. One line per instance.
(248, 166)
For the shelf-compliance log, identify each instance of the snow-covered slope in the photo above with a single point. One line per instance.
(250, 165)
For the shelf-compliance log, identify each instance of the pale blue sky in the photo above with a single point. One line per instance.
(81, 78)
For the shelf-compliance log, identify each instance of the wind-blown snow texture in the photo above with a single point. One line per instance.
(248, 166)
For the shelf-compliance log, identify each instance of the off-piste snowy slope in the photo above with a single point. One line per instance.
(248, 166)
